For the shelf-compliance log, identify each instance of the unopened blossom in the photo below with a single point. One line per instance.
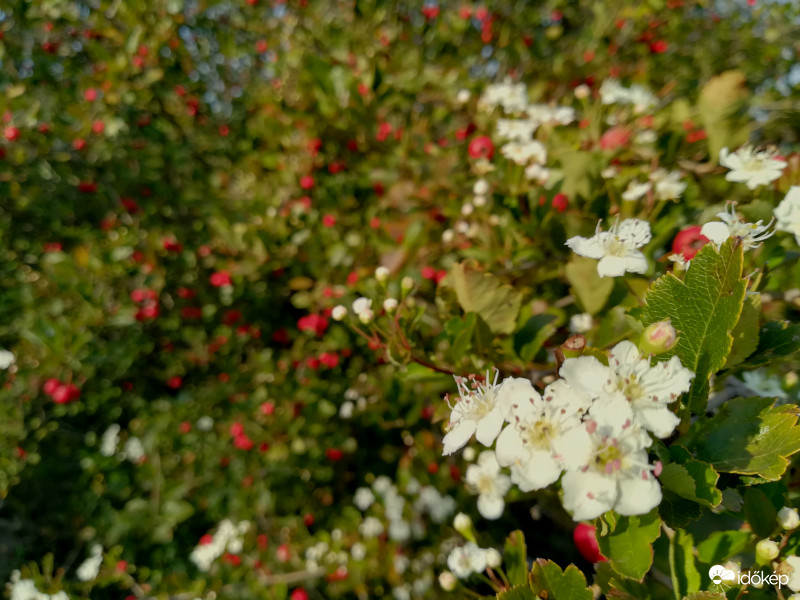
(485, 478)
(389, 305)
(617, 475)
(447, 581)
(787, 213)
(480, 411)
(648, 389)
(133, 450)
(480, 187)
(381, 273)
(581, 323)
(791, 567)
(545, 436)
(788, 518)
(339, 312)
(110, 440)
(493, 558)
(363, 308)
(617, 248)
(751, 234)
(766, 551)
(6, 359)
(466, 560)
(752, 167)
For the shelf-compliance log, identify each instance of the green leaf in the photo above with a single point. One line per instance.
(618, 587)
(721, 98)
(748, 436)
(591, 290)
(570, 584)
(520, 592)
(684, 574)
(691, 479)
(705, 596)
(498, 304)
(460, 333)
(528, 340)
(776, 340)
(745, 334)
(628, 542)
(760, 512)
(515, 559)
(721, 545)
(703, 308)
(678, 512)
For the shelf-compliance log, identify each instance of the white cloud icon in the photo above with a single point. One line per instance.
(718, 574)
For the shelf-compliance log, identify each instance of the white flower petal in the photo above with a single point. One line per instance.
(592, 247)
(509, 448)
(716, 232)
(489, 427)
(539, 471)
(637, 495)
(490, 506)
(458, 436)
(585, 374)
(658, 419)
(588, 495)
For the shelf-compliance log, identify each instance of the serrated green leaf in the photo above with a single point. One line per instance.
(618, 587)
(748, 436)
(776, 340)
(520, 592)
(703, 308)
(745, 333)
(628, 543)
(705, 596)
(528, 340)
(591, 290)
(515, 559)
(683, 571)
(721, 545)
(759, 512)
(498, 304)
(460, 333)
(678, 512)
(691, 479)
(569, 584)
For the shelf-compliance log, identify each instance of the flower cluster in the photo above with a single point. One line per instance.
(751, 234)
(228, 538)
(612, 92)
(592, 425)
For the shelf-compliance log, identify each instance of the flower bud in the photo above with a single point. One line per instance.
(389, 305)
(481, 187)
(788, 518)
(407, 283)
(463, 96)
(339, 312)
(447, 580)
(658, 338)
(493, 558)
(381, 274)
(362, 305)
(462, 523)
(582, 91)
(766, 551)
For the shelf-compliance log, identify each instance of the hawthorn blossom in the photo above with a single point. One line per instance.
(523, 153)
(616, 248)
(466, 560)
(612, 92)
(480, 411)
(6, 359)
(636, 190)
(485, 478)
(752, 167)
(648, 389)
(90, 567)
(545, 436)
(516, 130)
(668, 184)
(787, 213)
(617, 475)
(751, 234)
(513, 97)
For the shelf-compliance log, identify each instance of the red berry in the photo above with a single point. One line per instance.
(586, 542)
(50, 386)
(688, 242)
(11, 133)
(334, 454)
(481, 147)
(308, 519)
(299, 594)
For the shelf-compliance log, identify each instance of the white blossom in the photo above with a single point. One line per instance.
(787, 213)
(133, 450)
(381, 273)
(90, 567)
(109, 440)
(363, 498)
(788, 518)
(370, 527)
(668, 184)
(617, 248)
(466, 560)
(581, 323)
(485, 478)
(751, 234)
(480, 410)
(339, 312)
(545, 436)
(617, 475)
(752, 167)
(636, 190)
(523, 153)
(791, 567)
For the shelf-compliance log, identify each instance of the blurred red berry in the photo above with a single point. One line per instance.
(220, 278)
(481, 147)
(11, 133)
(299, 594)
(586, 542)
(688, 242)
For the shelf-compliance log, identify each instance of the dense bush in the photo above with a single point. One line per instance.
(245, 247)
